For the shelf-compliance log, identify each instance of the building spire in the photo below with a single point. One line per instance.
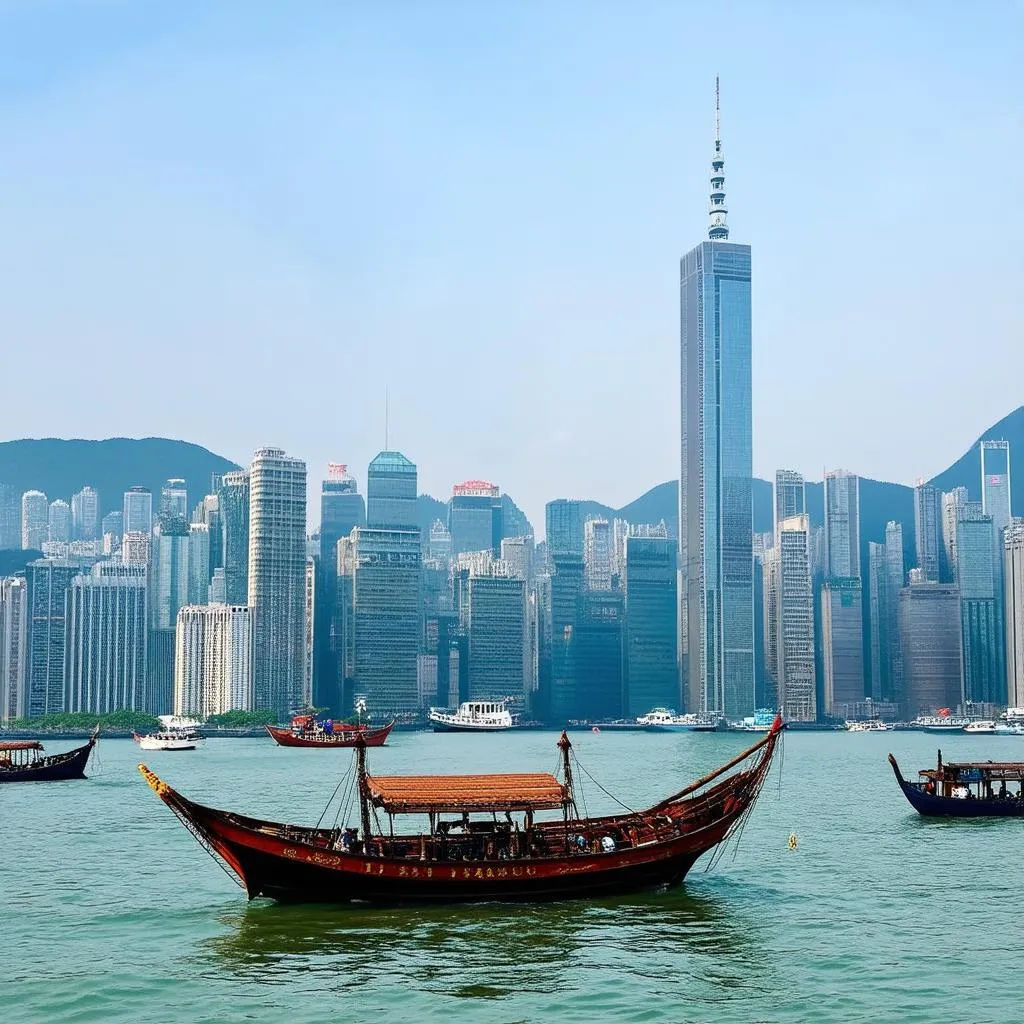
(718, 228)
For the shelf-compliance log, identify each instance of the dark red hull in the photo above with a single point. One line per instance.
(294, 864)
(339, 738)
(55, 768)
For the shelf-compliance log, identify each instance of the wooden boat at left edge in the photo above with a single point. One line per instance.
(342, 736)
(494, 859)
(20, 761)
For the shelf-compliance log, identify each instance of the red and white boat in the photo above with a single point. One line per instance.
(309, 731)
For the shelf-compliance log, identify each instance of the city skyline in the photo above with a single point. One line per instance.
(562, 179)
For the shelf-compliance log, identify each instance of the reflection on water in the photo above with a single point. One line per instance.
(483, 950)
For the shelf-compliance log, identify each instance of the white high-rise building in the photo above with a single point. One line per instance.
(138, 510)
(842, 524)
(35, 520)
(928, 529)
(277, 579)
(794, 619)
(213, 660)
(597, 554)
(59, 522)
(13, 648)
(952, 501)
(85, 514)
(995, 483)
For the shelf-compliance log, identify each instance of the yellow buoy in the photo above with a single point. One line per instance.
(792, 840)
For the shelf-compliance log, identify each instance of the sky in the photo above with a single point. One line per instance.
(243, 224)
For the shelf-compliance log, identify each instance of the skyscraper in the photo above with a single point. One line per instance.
(981, 605)
(842, 524)
(59, 522)
(563, 523)
(174, 499)
(878, 620)
(1013, 584)
(341, 509)
(995, 483)
(790, 494)
(496, 627)
(35, 520)
(13, 648)
(894, 583)
(597, 654)
(650, 585)
(10, 518)
(391, 492)
(951, 502)
(277, 579)
(597, 553)
(233, 507)
(566, 696)
(715, 494)
(929, 615)
(439, 544)
(138, 510)
(927, 520)
(170, 561)
(794, 621)
(85, 514)
(842, 644)
(106, 653)
(474, 517)
(213, 660)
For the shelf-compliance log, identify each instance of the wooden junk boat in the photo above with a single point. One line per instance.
(497, 858)
(308, 731)
(24, 761)
(967, 789)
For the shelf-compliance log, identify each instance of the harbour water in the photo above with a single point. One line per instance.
(110, 911)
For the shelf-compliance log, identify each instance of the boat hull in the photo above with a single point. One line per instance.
(931, 805)
(453, 727)
(342, 738)
(148, 743)
(55, 768)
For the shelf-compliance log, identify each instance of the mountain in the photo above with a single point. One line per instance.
(59, 468)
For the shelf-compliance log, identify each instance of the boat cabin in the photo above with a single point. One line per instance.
(974, 780)
(19, 753)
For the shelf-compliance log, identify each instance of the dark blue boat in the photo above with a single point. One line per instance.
(23, 761)
(973, 789)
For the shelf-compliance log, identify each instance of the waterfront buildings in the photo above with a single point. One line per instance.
(14, 654)
(475, 517)
(495, 623)
(35, 520)
(138, 510)
(85, 514)
(715, 506)
(277, 579)
(878, 625)
(597, 554)
(50, 581)
(233, 509)
(930, 637)
(792, 614)
(170, 581)
(563, 522)
(106, 652)
(951, 502)
(790, 495)
(995, 483)
(927, 528)
(596, 654)
(564, 693)
(341, 510)
(1013, 583)
(842, 644)
(650, 589)
(895, 579)
(391, 492)
(213, 660)
(386, 619)
(10, 517)
(842, 524)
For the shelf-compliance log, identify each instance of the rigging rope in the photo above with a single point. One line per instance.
(600, 787)
(332, 796)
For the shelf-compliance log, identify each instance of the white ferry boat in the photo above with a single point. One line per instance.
(472, 716)
(666, 720)
(985, 727)
(174, 734)
(941, 723)
(872, 725)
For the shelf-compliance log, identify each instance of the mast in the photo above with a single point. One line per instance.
(570, 800)
(364, 795)
(718, 228)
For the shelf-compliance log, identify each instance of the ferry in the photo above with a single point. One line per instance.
(761, 721)
(472, 716)
(985, 727)
(666, 720)
(872, 725)
(941, 723)
(174, 734)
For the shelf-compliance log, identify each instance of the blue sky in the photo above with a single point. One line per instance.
(239, 223)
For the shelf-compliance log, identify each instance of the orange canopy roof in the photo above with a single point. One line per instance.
(421, 794)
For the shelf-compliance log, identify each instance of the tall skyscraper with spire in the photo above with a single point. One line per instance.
(715, 493)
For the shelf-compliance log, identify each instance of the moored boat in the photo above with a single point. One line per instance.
(966, 789)
(24, 761)
(466, 858)
(941, 723)
(987, 728)
(666, 720)
(872, 725)
(174, 734)
(308, 731)
(472, 716)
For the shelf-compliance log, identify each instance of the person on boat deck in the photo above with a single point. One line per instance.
(1002, 790)
(929, 787)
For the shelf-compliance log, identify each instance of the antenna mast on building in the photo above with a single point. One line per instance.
(718, 228)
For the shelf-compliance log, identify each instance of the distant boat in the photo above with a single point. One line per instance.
(472, 716)
(483, 842)
(966, 789)
(941, 723)
(873, 725)
(308, 731)
(174, 734)
(985, 727)
(666, 720)
(23, 761)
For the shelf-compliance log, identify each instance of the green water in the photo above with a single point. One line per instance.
(110, 911)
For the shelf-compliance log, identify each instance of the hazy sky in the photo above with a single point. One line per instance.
(238, 223)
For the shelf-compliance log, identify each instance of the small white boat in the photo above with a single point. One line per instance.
(472, 716)
(985, 727)
(872, 725)
(666, 720)
(941, 723)
(174, 734)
